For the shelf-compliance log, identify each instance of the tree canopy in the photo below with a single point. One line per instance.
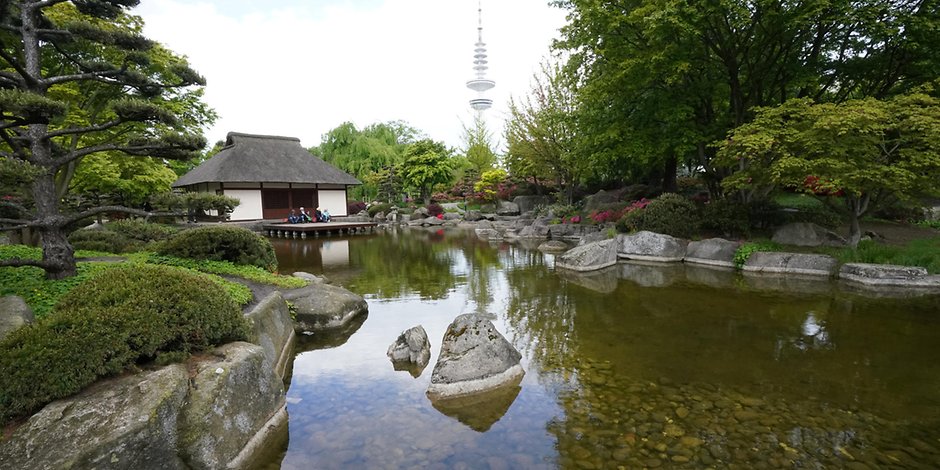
(78, 79)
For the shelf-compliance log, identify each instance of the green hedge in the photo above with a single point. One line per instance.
(141, 230)
(120, 317)
(101, 240)
(221, 243)
(376, 208)
(670, 214)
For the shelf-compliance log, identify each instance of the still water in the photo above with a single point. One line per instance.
(633, 367)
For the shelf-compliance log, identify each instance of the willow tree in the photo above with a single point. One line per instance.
(52, 54)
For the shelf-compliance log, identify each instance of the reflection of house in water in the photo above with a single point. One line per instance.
(335, 253)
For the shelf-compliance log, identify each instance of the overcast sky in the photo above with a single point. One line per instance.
(300, 68)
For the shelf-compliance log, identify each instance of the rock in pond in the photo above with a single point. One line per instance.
(712, 252)
(233, 402)
(474, 358)
(651, 246)
(14, 313)
(506, 208)
(324, 307)
(553, 246)
(313, 278)
(590, 257)
(790, 263)
(411, 351)
(888, 275)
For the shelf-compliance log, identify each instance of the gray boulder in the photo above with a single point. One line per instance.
(323, 307)
(474, 358)
(592, 237)
(530, 203)
(601, 199)
(432, 221)
(420, 213)
(506, 208)
(807, 234)
(791, 263)
(888, 275)
(534, 232)
(232, 398)
(712, 252)
(452, 216)
(273, 329)
(553, 246)
(14, 313)
(488, 234)
(650, 246)
(473, 216)
(411, 351)
(590, 257)
(124, 423)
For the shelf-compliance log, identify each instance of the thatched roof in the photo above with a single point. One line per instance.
(248, 158)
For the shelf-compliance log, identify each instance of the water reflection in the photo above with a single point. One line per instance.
(640, 366)
(479, 412)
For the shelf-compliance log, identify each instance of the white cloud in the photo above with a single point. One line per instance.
(291, 68)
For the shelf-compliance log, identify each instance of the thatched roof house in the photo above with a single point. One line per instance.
(270, 175)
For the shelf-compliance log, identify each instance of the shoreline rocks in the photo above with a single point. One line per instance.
(651, 246)
(324, 307)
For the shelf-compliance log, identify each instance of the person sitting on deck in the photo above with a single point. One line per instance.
(318, 215)
(304, 216)
(325, 215)
(293, 217)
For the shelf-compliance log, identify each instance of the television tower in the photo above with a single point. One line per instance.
(481, 83)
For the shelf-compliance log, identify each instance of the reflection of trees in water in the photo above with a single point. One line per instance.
(483, 264)
(403, 264)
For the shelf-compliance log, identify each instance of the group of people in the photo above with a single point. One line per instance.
(305, 217)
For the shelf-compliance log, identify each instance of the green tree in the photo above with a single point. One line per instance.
(868, 151)
(478, 145)
(367, 151)
(660, 80)
(47, 51)
(427, 163)
(540, 132)
(489, 183)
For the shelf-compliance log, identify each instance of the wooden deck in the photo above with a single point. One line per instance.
(284, 230)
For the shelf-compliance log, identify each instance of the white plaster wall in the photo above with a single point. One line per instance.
(250, 207)
(333, 201)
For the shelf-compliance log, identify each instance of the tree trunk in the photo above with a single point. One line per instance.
(670, 167)
(57, 253)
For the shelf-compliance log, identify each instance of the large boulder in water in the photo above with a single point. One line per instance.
(474, 358)
(651, 246)
(712, 252)
(124, 423)
(324, 307)
(14, 313)
(411, 351)
(590, 257)
(507, 208)
(233, 398)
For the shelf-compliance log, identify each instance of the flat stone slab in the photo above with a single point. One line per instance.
(791, 263)
(324, 307)
(712, 252)
(650, 246)
(590, 257)
(888, 275)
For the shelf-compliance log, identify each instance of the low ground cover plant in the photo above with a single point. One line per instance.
(670, 214)
(109, 323)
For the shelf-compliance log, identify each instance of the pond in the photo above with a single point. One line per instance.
(636, 366)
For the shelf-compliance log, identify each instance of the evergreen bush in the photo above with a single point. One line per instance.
(104, 326)
(669, 214)
(376, 208)
(221, 243)
(142, 230)
(100, 240)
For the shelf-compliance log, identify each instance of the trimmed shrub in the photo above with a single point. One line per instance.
(435, 209)
(727, 217)
(669, 214)
(355, 207)
(376, 208)
(118, 318)
(221, 243)
(142, 230)
(99, 240)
